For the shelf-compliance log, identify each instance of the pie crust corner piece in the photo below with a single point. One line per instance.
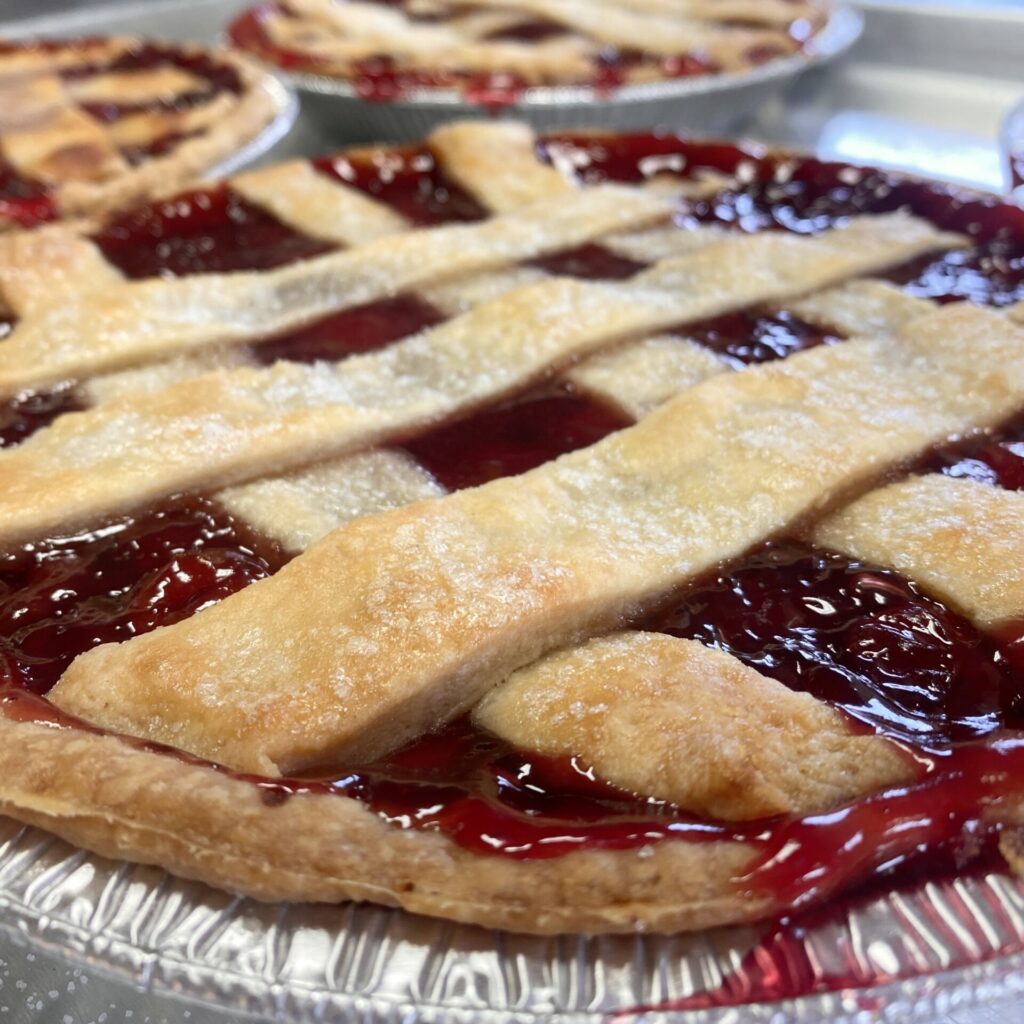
(103, 123)
(562, 555)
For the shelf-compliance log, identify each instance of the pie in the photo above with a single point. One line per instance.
(576, 534)
(492, 50)
(95, 123)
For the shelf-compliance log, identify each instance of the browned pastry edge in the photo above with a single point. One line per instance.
(257, 106)
(104, 794)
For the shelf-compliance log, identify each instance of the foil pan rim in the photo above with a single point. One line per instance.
(181, 942)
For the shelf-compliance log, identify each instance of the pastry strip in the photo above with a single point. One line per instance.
(497, 163)
(236, 425)
(961, 540)
(639, 376)
(678, 721)
(442, 599)
(635, 377)
(144, 321)
(318, 206)
(53, 260)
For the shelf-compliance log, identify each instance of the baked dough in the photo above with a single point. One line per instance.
(678, 721)
(444, 598)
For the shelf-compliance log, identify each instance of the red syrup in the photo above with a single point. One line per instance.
(23, 201)
(860, 638)
(409, 181)
(780, 191)
(996, 459)
(591, 261)
(25, 413)
(514, 437)
(361, 329)
(758, 336)
(201, 232)
(67, 595)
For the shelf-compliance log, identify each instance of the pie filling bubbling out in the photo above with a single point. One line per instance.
(864, 639)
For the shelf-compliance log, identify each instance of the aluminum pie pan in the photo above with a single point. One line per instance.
(708, 102)
(287, 106)
(162, 949)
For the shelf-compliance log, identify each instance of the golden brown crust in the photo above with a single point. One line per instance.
(442, 599)
(963, 541)
(676, 720)
(155, 319)
(125, 803)
(238, 424)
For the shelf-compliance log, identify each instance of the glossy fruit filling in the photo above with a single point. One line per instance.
(806, 196)
(410, 181)
(381, 78)
(514, 437)
(758, 335)
(996, 458)
(592, 261)
(23, 202)
(352, 331)
(24, 414)
(69, 594)
(860, 638)
(206, 231)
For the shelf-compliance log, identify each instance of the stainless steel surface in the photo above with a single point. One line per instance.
(83, 940)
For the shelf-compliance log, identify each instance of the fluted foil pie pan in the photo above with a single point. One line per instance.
(707, 102)
(135, 944)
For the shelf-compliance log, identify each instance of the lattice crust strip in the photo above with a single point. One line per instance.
(636, 377)
(681, 722)
(439, 602)
(154, 319)
(234, 425)
(963, 541)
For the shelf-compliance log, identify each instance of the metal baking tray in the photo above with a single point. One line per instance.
(88, 941)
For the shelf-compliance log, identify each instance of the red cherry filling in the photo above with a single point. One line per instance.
(990, 459)
(514, 437)
(758, 336)
(863, 639)
(590, 261)
(205, 231)
(990, 274)
(23, 201)
(409, 181)
(25, 413)
(360, 329)
(64, 596)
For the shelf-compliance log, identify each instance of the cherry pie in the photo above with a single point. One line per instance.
(585, 533)
(493, 49)
(100, 122)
